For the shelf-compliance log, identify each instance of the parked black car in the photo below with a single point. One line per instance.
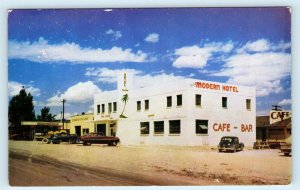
(62, 137)
(230, 143)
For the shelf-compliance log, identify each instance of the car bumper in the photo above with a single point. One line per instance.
(225, 148)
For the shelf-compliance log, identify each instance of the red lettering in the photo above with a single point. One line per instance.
(207, 85)
(230, 88)
(221, 127)
(246, 128)
(215, 127)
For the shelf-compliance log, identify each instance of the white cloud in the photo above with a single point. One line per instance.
(41, 51)
(15, 87)
(256, 46)
(263, 45)
(108, 75)
(140, 78)
(262, 70)
(152, 38)
(66, 116)
(81, 92)
(197, 57)
(285, 102)
(116, 34)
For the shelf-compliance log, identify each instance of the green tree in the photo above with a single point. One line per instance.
(45, 115)
(20, 108)
(124, 99)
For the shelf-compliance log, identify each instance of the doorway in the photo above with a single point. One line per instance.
(101, 128)
(78, 130)
(264, 134)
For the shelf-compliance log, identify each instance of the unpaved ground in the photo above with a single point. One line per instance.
(186, 165)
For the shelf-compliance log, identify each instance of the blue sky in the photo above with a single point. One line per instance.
(75, 53)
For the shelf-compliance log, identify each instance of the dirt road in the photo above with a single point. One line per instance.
(65, 164)
(28, 170)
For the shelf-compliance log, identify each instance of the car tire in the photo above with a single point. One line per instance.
(87, 143)
(234, 150)
(72, 141)
(114, 143)
(45, 141)
(286, 154)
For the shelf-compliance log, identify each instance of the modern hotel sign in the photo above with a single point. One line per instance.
(213, 86)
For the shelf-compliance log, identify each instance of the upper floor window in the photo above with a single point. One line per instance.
(248, 104)
(169, 101)
(224, 102)
(179, 100)
(145, 128)
(109, 107)
(103, 108)
(146, 104)
(138, 105)
(115, 106)
(98, 108)
(198, 100)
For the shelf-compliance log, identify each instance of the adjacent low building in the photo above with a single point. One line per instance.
(183, 112)
(275, 128)
(81, 124)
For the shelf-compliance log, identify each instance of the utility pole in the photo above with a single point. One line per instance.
(276, 108)
(63, 113)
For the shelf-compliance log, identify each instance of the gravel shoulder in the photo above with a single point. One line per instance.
(187, 165)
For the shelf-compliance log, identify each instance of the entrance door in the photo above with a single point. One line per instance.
(78, 130)
(264, 134)
(101, 128)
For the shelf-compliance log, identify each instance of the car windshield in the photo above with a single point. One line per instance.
(228, 139)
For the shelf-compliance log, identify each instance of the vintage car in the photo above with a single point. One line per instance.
(230, 143)
(61, 137)
(286, 149)
(99, 138)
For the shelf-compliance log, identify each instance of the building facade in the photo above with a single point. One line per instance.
(81, 124)
(186, 112)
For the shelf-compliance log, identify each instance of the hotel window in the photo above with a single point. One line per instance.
(115, 106)
(169, 101)
(158, 127)
(98, 108)
(201, 127)
(174, 127)
(138, 105)
(224, 102)
(103, 108)
(146, 104)
(109, 107)
(198, 99)
(145, 128)
(179, 100)
(248, 104)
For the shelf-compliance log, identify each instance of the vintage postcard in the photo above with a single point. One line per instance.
(162, 96)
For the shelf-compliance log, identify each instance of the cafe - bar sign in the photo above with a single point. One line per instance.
(218, 87)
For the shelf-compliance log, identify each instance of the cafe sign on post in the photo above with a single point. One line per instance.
(276, 116)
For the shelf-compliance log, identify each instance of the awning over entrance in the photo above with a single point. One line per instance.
(104, 121)
(40, 123)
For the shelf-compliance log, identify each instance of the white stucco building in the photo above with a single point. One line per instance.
(186, 112)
